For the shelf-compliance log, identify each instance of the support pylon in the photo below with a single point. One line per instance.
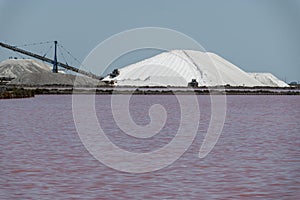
(55, 69)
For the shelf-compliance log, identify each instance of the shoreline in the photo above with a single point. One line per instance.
(16, 93)
(27, 92)
(166, 92)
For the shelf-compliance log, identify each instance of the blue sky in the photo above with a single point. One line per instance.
(256, 35)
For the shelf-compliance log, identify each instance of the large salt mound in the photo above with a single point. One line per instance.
(269, 79)
(15, 67)
(177, 68)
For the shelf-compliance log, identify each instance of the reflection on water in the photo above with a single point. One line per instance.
(257, 155)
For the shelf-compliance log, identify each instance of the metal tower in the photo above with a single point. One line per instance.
(55, 69)
(53, 62)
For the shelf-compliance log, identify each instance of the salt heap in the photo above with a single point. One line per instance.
(269, 79)
(14, 68)
(178, 67)
(29, 72)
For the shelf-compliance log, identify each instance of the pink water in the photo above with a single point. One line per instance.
(256, 157)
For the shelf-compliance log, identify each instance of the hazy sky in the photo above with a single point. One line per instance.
(256, 35)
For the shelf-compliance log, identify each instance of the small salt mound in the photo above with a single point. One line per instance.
(49, 78)
(28, 72)
(268, 79)
(15, 67)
